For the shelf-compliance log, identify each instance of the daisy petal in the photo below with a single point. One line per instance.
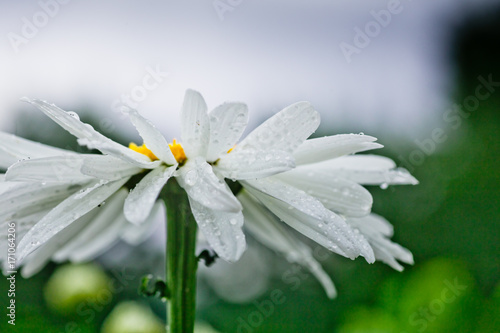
(64, 214)
(195, 126)
(251, 164)
(377, 229)
(227, 123)
(367, 170)
(14, 148)
(153, 139)
(337, 194)
(136, 234)
(308, 216)
(30, 198)
(142, 198)
(106, 214)
(108, 167)
(286, 130)
(39, 258)
(89, 137)
(223, 230)
(49, 169)
(330, 147)
(263, 225)
(203, 186)
(102, 242)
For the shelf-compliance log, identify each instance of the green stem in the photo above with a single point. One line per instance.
(181, 259)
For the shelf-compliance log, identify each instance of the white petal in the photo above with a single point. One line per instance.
(329, 147)
(30, 198)
(286, 130)
(340, 195)
(227, 123)
(252, 164)
(49, 169)
(102, 218)
(142, 198)
(14, 148)
(263, 225)
(308, 216)
(136, 234)
(102, 242)
(108, 167)
(40, 257)
(367, 170)
(195, 126)
(223, 230)
(377, 229)
(153, 139)
(203, 186)
(64, 214)
(357, 162)
(91, 138)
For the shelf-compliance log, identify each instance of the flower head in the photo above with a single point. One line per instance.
(313, 186)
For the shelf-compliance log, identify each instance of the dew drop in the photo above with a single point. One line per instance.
(191, 177)
(73, 114)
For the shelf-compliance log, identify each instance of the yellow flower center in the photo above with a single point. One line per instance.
(178, 152)
(143, 150)
(175, 148)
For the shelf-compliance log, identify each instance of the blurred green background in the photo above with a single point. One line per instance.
(450, 222)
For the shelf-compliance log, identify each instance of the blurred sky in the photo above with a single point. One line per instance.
(266, 53)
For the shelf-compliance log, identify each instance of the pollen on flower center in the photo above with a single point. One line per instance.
(178, 152)
(143, 150)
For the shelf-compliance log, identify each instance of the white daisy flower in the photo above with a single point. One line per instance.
(209, 152)
(88, 180)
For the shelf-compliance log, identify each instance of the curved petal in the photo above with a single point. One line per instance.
(142, 198)
(64, 214)
(195, 126)
(136, 234)
(108, 167)
(377, 229)
(14, 148)
(89, 137)
(366, 170)
(49, 169)
(340, 195)
(106, 214)
(203, 186)
(264, 226)
(330, 147)
(286, 130)
(40, 257)
(252, 164)
(227, 123)
(223, 230)
(308, 216)
(153, 139)
(30, 198)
